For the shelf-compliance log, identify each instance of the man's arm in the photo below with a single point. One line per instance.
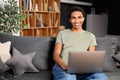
(92, 48)
(56, 56)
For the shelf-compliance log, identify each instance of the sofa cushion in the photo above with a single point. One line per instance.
(113, 75)
(109, 45)
(41, 58)
(21, 63)
(27, 44)
(42, 75)
(5, 51)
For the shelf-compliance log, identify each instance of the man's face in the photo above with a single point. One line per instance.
(77, 19)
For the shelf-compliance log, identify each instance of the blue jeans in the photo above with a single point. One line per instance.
(60, 74)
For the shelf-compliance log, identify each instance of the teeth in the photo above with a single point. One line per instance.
(76, 24)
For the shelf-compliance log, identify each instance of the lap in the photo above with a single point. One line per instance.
(92, 76)
(60, 74)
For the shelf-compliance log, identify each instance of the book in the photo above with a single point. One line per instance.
(56, 7)
(41, 5)
(27, 4)
(45, 7)
(56, 23)
(30, 6)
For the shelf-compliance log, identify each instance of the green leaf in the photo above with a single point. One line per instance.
(11, 17)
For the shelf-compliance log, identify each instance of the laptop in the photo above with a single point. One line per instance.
(86, 61)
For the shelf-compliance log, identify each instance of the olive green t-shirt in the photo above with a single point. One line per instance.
(74, 41)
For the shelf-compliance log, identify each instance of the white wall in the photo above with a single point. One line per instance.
(2, 1)
(76, 2)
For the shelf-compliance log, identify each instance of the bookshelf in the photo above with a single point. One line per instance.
(43, 17)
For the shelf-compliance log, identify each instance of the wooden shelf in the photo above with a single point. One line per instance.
(43, 17)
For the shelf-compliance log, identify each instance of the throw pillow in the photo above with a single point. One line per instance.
(117, 57)
(5, 51)
(3, 68)
(21, 63)
(109, 45)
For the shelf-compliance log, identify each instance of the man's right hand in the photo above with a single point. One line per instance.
(64, 67)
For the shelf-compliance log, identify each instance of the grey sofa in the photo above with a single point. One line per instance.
(43, 59)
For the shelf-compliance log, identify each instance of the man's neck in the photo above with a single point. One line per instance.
(76, 29)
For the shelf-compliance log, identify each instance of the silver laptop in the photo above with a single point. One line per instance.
(86, 61)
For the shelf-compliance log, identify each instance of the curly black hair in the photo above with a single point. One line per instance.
(76, 8)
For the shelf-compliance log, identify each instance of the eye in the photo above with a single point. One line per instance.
(80, 17)
(72, 17)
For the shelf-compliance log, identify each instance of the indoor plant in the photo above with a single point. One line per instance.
(10, 17)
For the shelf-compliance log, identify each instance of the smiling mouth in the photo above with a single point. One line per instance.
(76, 24)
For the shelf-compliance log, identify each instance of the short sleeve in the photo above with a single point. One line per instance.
(93, 40)
(59, 37)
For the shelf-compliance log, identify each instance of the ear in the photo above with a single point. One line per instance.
(83, 19)
(70, 19)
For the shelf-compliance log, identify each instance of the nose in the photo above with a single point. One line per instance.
(76, 20)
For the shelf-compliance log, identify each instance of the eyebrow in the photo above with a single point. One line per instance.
(78, 16)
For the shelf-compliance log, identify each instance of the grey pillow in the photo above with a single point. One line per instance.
(21, 63)
(3, 68)
(109, 45)
(117, 57)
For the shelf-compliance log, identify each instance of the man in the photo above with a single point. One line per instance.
(74, 39)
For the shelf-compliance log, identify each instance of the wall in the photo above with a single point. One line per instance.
(111, 7)
(2, 2)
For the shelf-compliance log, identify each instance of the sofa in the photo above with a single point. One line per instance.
(43, 47)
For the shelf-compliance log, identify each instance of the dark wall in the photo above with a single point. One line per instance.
(111, 7)
(114, 18)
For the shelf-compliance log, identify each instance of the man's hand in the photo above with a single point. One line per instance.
(64, 67)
